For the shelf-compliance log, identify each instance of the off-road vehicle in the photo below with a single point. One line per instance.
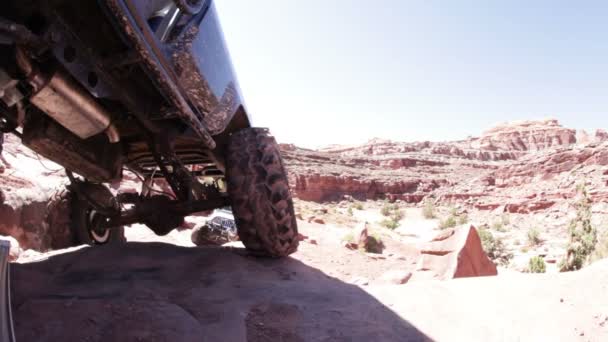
(146, 86)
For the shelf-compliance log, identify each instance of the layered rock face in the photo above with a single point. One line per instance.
(25, 191)
(527, 136)
(520, 167)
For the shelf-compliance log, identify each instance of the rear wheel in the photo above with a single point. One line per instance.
(86, 221)
(259, 192)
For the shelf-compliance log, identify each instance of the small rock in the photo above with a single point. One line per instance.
(360, 234)
(312, 242)
(376, 256)
(349, 245)
(397, 277)
(318, 220)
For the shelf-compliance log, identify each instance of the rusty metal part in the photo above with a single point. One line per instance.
(92, 158)
(66, 101)
(34, 77)
(142, 211)
(69, 104)
(136, 30)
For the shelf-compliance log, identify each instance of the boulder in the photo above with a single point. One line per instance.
(204, 236)
(456, 253)
(360, 234)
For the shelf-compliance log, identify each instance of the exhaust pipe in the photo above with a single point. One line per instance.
(66, 101)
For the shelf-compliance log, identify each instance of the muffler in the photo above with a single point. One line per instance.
(69, 103)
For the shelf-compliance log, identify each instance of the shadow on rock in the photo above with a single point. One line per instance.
(161, 292)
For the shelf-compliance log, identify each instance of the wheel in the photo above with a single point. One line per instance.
(58, 234)
(85, 221)
(259, 192)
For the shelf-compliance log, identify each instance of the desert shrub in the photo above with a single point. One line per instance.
(453, 219)
(583, 236)
(494, 247)
(499, 226)
(358, 206)
(534, 237)
(505, 219)
(394, 216)
(349, 211)
(601, 248)
(537, 265)
(449, 222)
(463, 219)
(397, 215)
(388, 209)
(389, 223)
(349, 237)
(428, 211)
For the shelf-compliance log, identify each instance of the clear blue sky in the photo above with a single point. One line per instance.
(343, 71)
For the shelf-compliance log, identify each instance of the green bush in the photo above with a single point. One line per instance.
(537, 265)
(494, 248)
(583, 236)
(534, 237)
(349, 211)
(394, 213)
(388, 208)
(349, 237)
(389, 223)
(601, 248)
(463, 219)
(397, 215)
(358, 206)
(428, 211)
(499, 226)
(448, 222)
(505, 219)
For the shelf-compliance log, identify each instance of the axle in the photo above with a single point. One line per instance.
(159, 209)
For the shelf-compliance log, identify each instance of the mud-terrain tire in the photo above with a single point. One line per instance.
(67, 209)
(58, 233)
(259, 192)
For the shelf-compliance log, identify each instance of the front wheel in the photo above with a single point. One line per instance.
(259, 192)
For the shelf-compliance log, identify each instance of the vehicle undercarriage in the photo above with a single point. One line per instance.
(146, 87)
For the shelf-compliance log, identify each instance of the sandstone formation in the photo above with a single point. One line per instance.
(25, 190)
(456, 253)
(159, 292)
(520, 167)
